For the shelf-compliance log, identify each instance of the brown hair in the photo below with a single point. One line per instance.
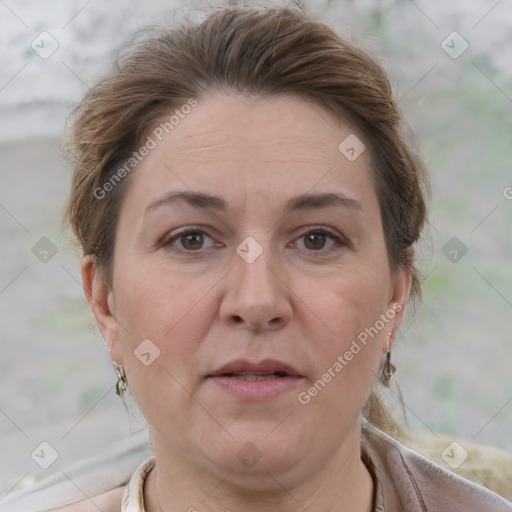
(251, 50)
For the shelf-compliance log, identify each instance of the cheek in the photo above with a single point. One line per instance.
(349, 311)
(353, 300)
(156, 302)
(163, 323)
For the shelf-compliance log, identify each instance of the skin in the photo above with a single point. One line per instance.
(302, 301)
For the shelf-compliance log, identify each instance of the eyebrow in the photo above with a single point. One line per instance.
(297, 203)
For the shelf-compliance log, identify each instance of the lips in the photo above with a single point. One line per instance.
(252, 371)
(253, 377)
(256, 381)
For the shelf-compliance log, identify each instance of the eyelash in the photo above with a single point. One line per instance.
(340, 241)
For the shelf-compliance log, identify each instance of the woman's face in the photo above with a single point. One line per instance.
(249, 243)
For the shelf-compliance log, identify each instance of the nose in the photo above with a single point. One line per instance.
(257, 295)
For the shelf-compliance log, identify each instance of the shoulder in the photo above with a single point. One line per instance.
(109, 501)
(484, 464)
(411, 479)
(95, 483)
(125, 497)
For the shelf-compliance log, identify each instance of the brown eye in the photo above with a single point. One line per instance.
(322, 241)
(192, 241)
(314, 240)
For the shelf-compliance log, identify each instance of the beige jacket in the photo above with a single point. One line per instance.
(404, 481)
(412, 483)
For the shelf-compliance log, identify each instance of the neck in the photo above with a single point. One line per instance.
(344, 483)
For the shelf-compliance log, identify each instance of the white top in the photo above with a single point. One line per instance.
(133, 497)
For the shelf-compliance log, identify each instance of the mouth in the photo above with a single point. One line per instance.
(248, 380)
(256, 370)
(252, 377)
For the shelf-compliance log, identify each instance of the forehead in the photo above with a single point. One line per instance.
(252, 147)
(274, 126)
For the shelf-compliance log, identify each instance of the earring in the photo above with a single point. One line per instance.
(122, 382)
(389, 369)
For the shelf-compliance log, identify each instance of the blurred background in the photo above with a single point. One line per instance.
(450, 65)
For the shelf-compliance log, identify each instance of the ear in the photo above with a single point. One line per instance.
(101, 300)
(400, 291)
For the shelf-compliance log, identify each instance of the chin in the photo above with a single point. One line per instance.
(250, 458)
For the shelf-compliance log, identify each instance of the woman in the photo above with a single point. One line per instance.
(248, 209)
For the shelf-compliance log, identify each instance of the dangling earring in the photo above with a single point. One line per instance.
(122, 382)
(389, 369)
